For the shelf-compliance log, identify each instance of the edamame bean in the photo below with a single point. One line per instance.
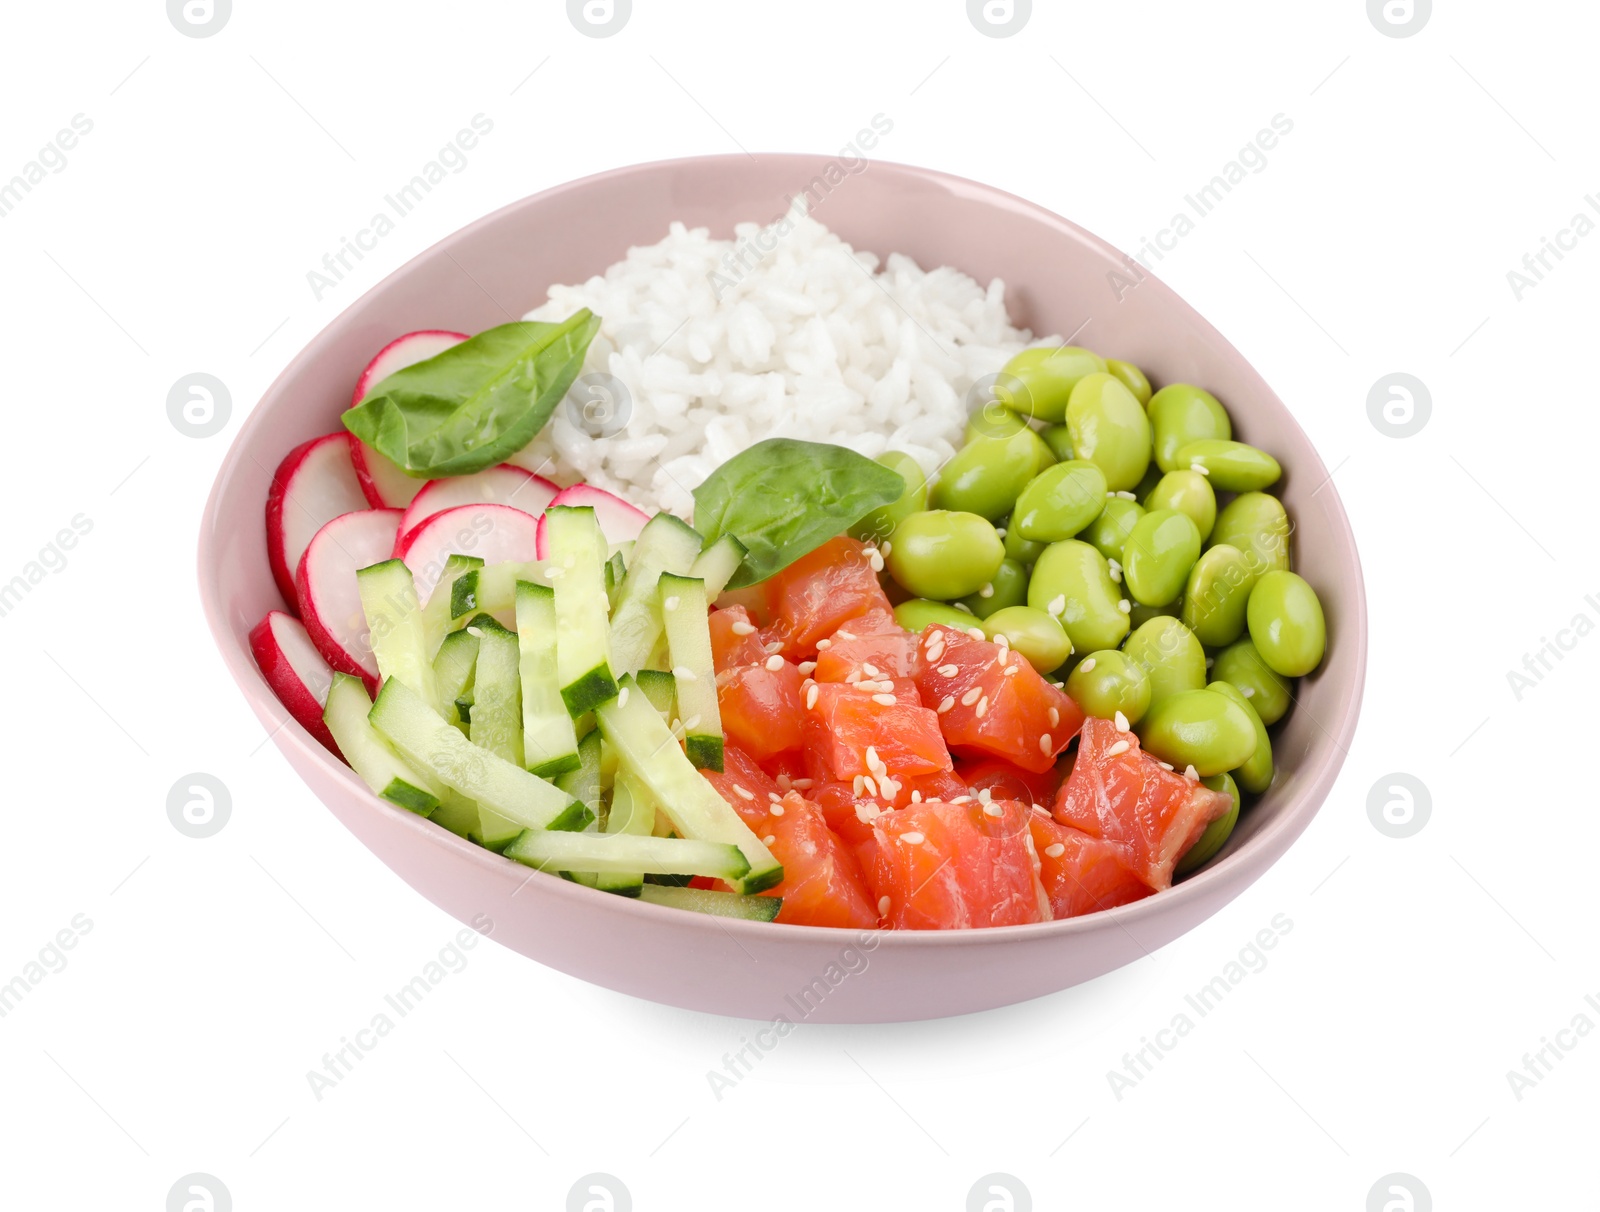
(1198, 728)
(1257, 525)
(1108, 681)
(1215, 598)
(1170, 655)
(1217, 832)
(1024, 551)
(1060, 501)
(880, 523)
(985, 476)
(994, 420)
(1109, 428)
(1160, 551)
(1188, 492)
(1286, 624)
(944, 554)
(1255, 774)
(1109, 531)
(1008, 587)
(1038, 636)
(916, 614)
(1139, 614)
(1230, 466)
(1048, 377)
(1242, 665)
(1058, 440)
(1181, 413)
(1132, 378)
(1072, 581)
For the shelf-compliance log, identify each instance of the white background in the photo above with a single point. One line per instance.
(218, 971)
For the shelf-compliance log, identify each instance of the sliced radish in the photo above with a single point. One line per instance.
(619, 521)
(386, 486)
(493, 533)
(295, 670)
(330, 602)
(315, 483)
(503, 485)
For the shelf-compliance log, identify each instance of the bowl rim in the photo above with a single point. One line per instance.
(1240, 868)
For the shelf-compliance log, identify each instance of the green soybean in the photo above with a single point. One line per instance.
(1215, 598)
(1160, 551)
(880, 523)
(985, 476)
(1286, 624)
(1008, 587)
(1132, 378)
(1217, 832)
(1060, 501)
(1242, 665)
(1170, 655)
(1257, 525)
(1198, 728)
(1038, 636)
(1059, 440)
(1024, 551)
(917, 614)
(1040, 381)
(1139, 614)
(1230, 466)
(1188, 492)
(1109, 531)
(1072, 582)
(944, 554)
(1109, 428)
(994, 420)
(1255, 773)
(1108, 681)
(1181, 413)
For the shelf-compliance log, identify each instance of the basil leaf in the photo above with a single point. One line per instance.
(783, 498)
(477, 403)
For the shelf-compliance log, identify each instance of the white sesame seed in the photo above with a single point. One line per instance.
(885, 700)
(868, 785)
(962, 799)
(1121, 722)
(811, 697)
(683, 673)
(1190, 773)
(784, 782)
(1057, 605)
(983, 707)
(1116, 573)
(671, 603)
(1127, 496)
(475, 631)
(855, 786)
(803, 784)
(962, 607)
(553, 572)
(1249, 692)
(1046, 745)
(872, 755)
(913, 838)
(808, 667)
(993, 810)
(976, 632)
(949, 671)
(743, 792)
(1165, 765)
(1110, 495)
(916, 797)
(869, 669)
(972, 696)
(690, 724)
(824, 645)
(1197, 465)
(886, 548)
(768, 840)
(883, 906)
(1041, 810)
(1011, 670)
(1118, 749)
(774, 662)
(743, 628)
(987, 591)
(1055, 849)
(774, 796)
(946, 703)
(773, 646)
(1000, 531)
(1125, 606)
(876, 560)
(866, 813)
(622, 697)
(1002, 639)
(1059, 685)
(1088, 665)
(847, 636)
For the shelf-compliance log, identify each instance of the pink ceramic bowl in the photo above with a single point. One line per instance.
(1060, 279)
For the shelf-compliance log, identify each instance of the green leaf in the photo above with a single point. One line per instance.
(477, 403)
(783, 498)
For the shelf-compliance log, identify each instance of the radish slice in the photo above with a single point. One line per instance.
(386, 486)
(503, 485)
(619, 521)
(330, 602)
(295, 670)
(314, 484)
(493, 533)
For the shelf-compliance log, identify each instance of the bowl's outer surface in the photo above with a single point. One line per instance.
(1060, 279)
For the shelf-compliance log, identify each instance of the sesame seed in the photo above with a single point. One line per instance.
(946, 703)
(784, 782)
(916, 797)
(1249, 692)
(987, 591)
(808, 667)
(1041, 810)
(671, 603)
(1127, 496)
(853, 678)
(855, 786)
(993, 810)
(1012, 670)
(768, 840)
(811, 697)
(1125, 606)
(866, 813)
(935, 653)
(1118, 749)
(872, 755)
(690, 724)
(976, 632)
(1046, 745)
(774, 796)
(774, 662)
(885, 700)
(1165, 765)
(983, 707)
(913, 838)
(1116, 573)
(1088, 665)
(1190, 773)
(743, 792)
(803, 784)
(1121, 721)
(1055, 717)
(876, 560)
(962, 799)
(1058, 605)
(1055, 849)
(743, 628)
(824, 645)
(1110, 495)
(845, 635)
(886, 548)
(868, 785)
(622, 697)
(869, 669)
(1059, 685)
(1000, 531)
(551, 573)
(775, 808)
(883, 906)
(475, 631)
(971, 697)
(773, 645)
(1002, 639)
(949, 671)
(1197, 465)
(962, 607)
(683, 673)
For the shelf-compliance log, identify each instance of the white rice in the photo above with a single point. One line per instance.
(808, 340)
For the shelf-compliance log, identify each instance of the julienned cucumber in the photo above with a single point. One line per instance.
(369, 755)
(666, 544)
(496, 717)
(494, 588)
(453, 668)
(661, 688)
(648, 750)
(439, 750)
(585, 782)
(684, 611)
(576, 571)
(436, 613)
(633, 813)
(394, 623)
(718, 904)
(611, 853)
(550, 742)
(717, 564)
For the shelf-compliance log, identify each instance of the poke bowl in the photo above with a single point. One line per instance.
(862, 601)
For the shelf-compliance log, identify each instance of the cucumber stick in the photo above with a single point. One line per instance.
(585, 782)
(717, 564)
(650, 752)
(666, 544)
(550, 741)
(684, 610)
(496, 716)
(609, 853)
(441, 752)
(436, 616)
(718, 904)
(494, 589)
(576, 572)
(453, 668)
(633, 814)
(373, 758)
(661, 688)
(394, 624)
